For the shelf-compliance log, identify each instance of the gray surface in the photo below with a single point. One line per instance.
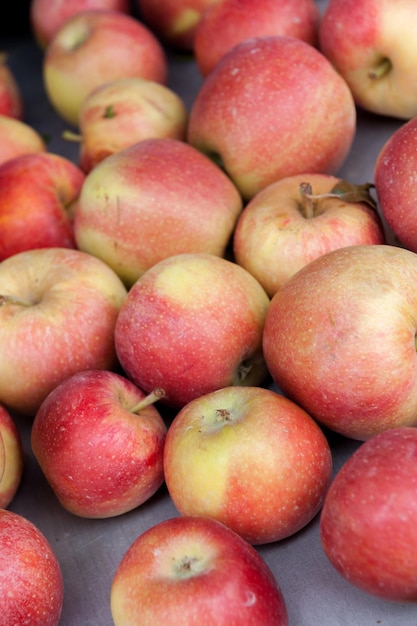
(90, 550)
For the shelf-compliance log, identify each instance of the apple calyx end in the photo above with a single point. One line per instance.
(380, 70)
(187, 567)
(151, 398)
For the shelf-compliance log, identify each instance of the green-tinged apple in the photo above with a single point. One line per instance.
(250, 458)
(369, 42)
(339, 339)
(58, 310)
(124, 111)
(11, 458)
(94, 47)
(192, 571)
(191, 324)
(297, 219)
(17, 137)
(47, 16)
(227, 23)
(367, 525)
(273, 107)
(99, 442)
(31, 582)
(11, 99)
(37, 193)
(157, 198)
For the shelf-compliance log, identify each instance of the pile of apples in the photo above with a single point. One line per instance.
(200, 300)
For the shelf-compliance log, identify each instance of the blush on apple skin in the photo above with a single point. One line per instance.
(11, 458)
(11, 100)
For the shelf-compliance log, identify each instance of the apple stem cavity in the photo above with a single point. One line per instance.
(380, 70)
(12, 300)
(151, 398)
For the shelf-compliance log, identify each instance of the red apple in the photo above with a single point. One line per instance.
(38, 192)
(11, 99)
(31, 584)
(11, 458)
(99, 443)
(191, 324)
(249, 458)
(367, 525)
(95, 47)
(257, 113)
(225, 24)
(157, 198)
(58, 309)
(339, 339)
(297, 219)
(195, 570)
(17, 137)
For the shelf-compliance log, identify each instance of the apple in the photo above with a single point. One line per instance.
(11, 458)
(249, 458)
(194, 570)
(339, 339)
(99, 442)
(38, 192)
(47, 16)
(256, 113)
(58, 310)
(17, 137)
(94, 47)
(31, 583)
(11, 99)
(157, 198)
(227, 23)
(371, 44)
(298, 218)
(192, 323)
(367, 524)
(124, 111)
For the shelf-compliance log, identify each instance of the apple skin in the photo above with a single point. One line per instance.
(339, 339)
(95, 47)
(196, 571)
(11, 458)
(124, 111)
(191, 324)
(157, 198)
(17, 137)
(265, 93)
(100, 459)
(47, 16)
(368, 42)
(251, 459)
(38, 193)
(280, 230)
(31, 583)
(58, 310)
(11, 100)
(227, 23)
(367, 523)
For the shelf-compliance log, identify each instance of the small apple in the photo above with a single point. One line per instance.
(367, 524)
(11, 458)
(298, 218)
(339, 339)
(249, 458)
(195, 570)
(11, 99)
(94, 47)
(31, 583)
(99, 442)
(157, 198)
(58, 309)
(191, 324)
(17, 137)
(225, 24)
(256, 113)
(38, 192)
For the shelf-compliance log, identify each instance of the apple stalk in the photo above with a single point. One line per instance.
(151, 398)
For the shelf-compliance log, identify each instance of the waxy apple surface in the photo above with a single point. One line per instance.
(17, 137)
(11, 458)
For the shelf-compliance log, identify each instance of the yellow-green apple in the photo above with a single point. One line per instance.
(261, 110)
(99, 442)
(339, 339)
(154, 199)
(31, 582)
(47, 16)
(195, 570)
(11, 99)
(124, 111)
(94, 47)
(11, 458)
(298, 218)
(38, 191)
(367, 41)
(191, 324)
(17, 137)
(58, 310)
(250, 458)
(367, 525)
(227, 23)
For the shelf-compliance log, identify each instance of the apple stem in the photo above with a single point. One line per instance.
(380, 70)
(12, 300)
(151, 398)
(69, 135)
(307, 199)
